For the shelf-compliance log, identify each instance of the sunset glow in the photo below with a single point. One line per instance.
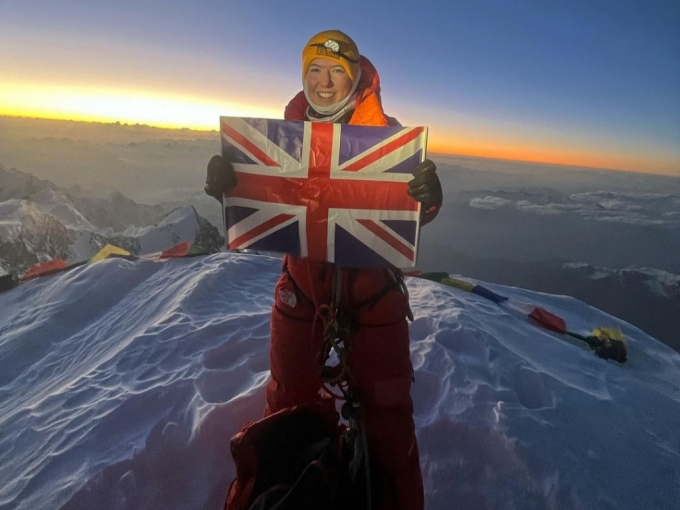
(554, 155)
(175, 111)
(588, 85)
(125, 106)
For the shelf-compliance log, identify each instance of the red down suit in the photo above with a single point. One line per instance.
(379, 359)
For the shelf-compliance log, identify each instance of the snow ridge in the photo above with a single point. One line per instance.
(121, 383)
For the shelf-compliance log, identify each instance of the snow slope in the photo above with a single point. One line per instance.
(121, 383)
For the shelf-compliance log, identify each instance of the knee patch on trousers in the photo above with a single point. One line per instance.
(393, 393)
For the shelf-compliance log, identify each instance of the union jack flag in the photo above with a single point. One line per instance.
(331, 192)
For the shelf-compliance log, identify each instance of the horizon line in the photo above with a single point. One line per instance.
(455, 154)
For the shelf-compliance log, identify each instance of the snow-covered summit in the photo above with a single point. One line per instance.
(16, 184)
(115, 211)
(121, 383)
(29, 236)
(181, 225)
(52, 223)
(59, 207)
(33, 232)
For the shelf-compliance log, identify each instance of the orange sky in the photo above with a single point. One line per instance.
(471, 137)
(591, 84)
(553, 154)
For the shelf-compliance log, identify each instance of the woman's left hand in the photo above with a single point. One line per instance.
(425, 186)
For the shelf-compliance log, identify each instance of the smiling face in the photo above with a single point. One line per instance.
(327, 82)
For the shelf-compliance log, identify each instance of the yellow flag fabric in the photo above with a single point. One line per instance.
(608, 333)
(108, 250)
(460, 284)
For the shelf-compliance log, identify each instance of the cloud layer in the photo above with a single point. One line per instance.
(632, 208)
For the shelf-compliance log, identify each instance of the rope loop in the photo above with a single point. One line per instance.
(336, 338)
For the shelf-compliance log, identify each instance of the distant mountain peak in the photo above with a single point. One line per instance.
(17, 184)
(42, 222)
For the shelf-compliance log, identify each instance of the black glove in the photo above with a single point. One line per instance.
(425, 186)
(221, 177)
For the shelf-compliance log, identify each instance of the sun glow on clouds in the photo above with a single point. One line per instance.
(109, 104)
(126, 106)
(500, 146)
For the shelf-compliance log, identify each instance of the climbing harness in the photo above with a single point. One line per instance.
(336, 339)
(397, 278)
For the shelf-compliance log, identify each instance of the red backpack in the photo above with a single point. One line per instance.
(295, 459)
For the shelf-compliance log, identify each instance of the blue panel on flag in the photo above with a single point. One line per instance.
(288, 137)
(235, 155)
(284, 240)
(237, 213)
(405, 228)
(350, 252)
(357, 139)
(407, 165)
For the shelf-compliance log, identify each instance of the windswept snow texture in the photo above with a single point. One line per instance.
(122, 382)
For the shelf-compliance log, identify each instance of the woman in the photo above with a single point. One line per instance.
(340, 85)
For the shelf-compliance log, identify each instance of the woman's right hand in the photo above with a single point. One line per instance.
(221, 178)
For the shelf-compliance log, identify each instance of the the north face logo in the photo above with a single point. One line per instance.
(288, 297)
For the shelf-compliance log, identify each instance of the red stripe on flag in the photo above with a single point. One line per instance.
(248, 145)
(320, 151)
(276, 220)
(383, 151)
(394, 243)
